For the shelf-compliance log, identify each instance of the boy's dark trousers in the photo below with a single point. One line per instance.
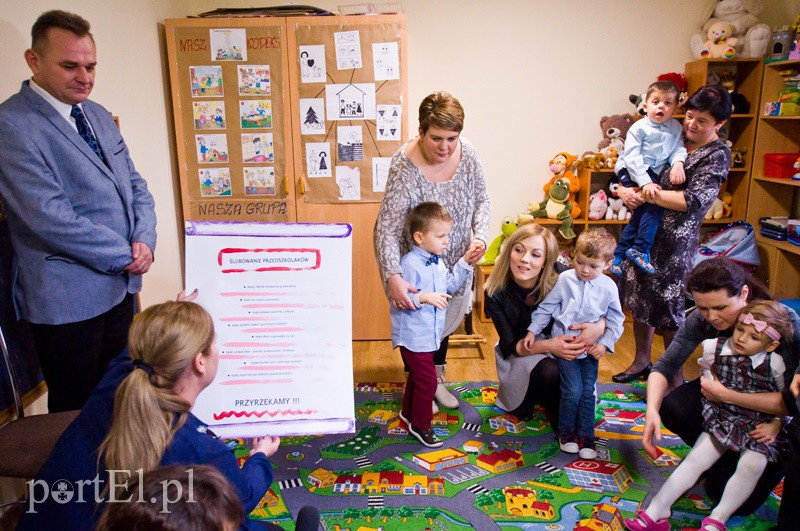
(420, 388)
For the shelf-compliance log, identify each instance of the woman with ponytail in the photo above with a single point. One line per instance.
(138, 418)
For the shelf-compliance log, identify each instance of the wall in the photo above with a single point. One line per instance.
(534, 77)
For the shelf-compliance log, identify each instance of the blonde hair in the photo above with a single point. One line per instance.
(501, 272)
(775, 315)
(441, 110)
(147, 411)
(596, 243)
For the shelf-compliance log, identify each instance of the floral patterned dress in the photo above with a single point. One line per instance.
(658, 299)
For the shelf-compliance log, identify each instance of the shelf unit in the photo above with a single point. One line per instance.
(780, 260)
(742, 127)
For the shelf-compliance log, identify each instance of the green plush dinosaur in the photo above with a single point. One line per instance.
(558, 206)
(507, 229)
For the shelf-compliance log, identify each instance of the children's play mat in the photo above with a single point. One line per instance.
(493, 471)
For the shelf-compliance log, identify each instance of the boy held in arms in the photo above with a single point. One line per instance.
(652, 142)
(418, 332)
(581, 295)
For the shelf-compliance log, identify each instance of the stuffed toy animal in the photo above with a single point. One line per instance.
(638, 102)
(557, 206)
(616, 208)
(727, 80)
(795, 177)
(737, 156)
(720, 43)
(525, 218)
(612, 154)
(507, 228)
(753, 36)
(721, 207)
(561, 167)
(564, 258)
(592, 161)
(598, 205)
(615, 129)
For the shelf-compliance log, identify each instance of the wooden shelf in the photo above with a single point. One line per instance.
(549, 221)
(751, 115)
(782, 245)
(720, 221)
(783, 64)
(786, 182)
(607, 222)
(769, 196)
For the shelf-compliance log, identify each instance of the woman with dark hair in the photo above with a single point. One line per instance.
(721, 289)
(656, 301)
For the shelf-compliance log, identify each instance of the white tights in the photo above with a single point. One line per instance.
(705, 453)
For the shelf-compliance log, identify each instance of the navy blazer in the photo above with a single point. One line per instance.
(72, 217)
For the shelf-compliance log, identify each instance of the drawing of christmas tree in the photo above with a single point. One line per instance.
(311, 117)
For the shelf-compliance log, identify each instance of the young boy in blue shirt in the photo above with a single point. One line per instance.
(581, 295)
(652, 142)
(418, 332)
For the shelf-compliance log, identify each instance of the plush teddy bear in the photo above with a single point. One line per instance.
(507, 228)
(754, 37)
(561, 167)
(721, 207)
(598, 204)
(616, 208)
(615, 128)
(557, 206)
(720, 43)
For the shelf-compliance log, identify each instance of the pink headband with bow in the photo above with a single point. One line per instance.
(760, 326)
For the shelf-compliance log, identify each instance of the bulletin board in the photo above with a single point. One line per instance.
(231, 113)
(348, 92)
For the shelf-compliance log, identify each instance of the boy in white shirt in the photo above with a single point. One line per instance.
(652, 142)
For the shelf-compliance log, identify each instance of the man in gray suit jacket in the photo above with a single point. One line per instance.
(81, 219)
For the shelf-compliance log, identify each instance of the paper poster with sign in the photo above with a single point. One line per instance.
(350, 101)
(348, 50)
(228, 44)
(388, 124)
(280, 296)
(385, 60)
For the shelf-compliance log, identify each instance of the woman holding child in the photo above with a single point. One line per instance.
(721, 291)
(656, 300)
(438, 166)
(524, 274)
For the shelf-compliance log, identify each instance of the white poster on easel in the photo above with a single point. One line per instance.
(281, 298)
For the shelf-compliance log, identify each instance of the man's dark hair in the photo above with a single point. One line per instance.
(57, 19)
